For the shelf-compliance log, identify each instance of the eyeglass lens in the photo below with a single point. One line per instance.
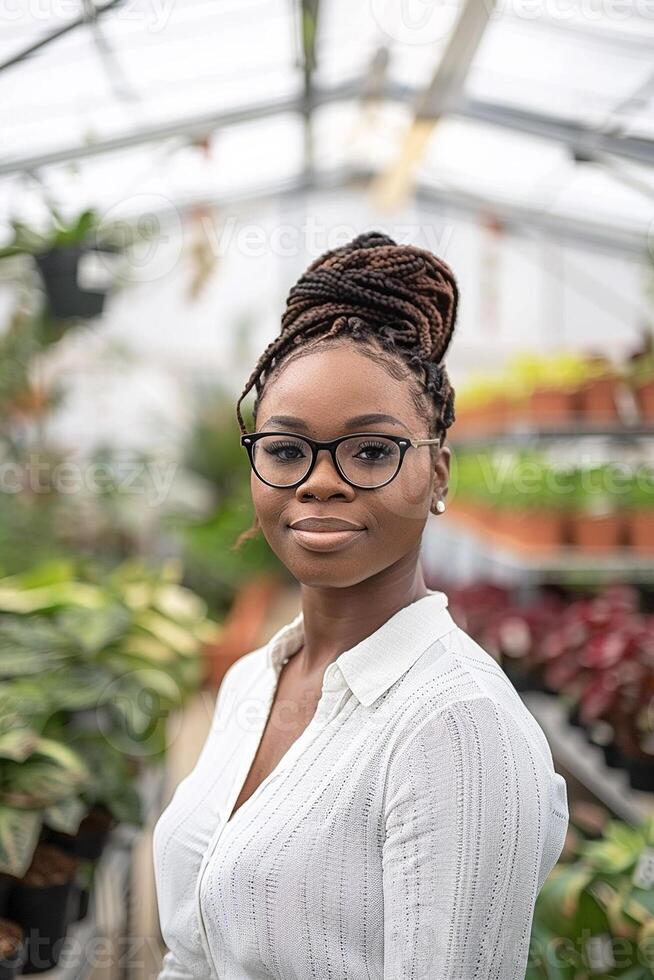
(366, 461)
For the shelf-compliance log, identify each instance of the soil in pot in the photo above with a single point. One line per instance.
(12, 949)
(91, 837)
(43, 902)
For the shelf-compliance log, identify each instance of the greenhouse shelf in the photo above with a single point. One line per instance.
(585, 762)
(518, 434)
(471, 555)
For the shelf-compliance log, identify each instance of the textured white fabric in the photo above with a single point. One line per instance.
(406, 833)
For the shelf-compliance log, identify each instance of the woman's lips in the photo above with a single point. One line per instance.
(325, 540)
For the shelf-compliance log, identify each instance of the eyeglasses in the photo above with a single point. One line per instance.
(366, 460)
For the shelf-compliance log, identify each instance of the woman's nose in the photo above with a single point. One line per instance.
(324, 478)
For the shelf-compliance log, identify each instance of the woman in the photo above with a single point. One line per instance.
(373, 799)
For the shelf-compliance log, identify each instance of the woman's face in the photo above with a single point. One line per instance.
(325, 389)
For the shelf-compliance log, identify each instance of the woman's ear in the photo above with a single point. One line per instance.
(441, 479)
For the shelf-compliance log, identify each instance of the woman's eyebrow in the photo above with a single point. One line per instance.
(368, 419)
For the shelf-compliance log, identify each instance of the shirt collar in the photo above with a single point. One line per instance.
(374, 664)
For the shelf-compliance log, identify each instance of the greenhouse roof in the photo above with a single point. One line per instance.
(549, 110)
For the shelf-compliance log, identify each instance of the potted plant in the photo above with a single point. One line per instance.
(640, 510)
(530, 512)
(640, 376)
(596, 521)
(594, 913)
(76, 259)
(598, 394)
(44, 901)
(550, 385)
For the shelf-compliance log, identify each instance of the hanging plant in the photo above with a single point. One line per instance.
(76, 259)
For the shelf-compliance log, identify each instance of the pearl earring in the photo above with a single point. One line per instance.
(440, 506)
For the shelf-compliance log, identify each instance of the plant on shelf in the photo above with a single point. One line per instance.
(595, 506)
(640, 376)
(639, 505)
(542, 391)
(594, 916)
(517, 494)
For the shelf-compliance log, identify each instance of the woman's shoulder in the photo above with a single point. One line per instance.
(457, 680)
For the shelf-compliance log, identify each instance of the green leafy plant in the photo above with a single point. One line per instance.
(84, 228)
(90, 669)
(594, 916)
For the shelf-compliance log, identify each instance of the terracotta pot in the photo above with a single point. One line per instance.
(548, 407)
(598, 401)
(500, 413)
(644, 394)
(640, 530)
(596, 532)
(533, 528)
(242, 627)
(473, 514)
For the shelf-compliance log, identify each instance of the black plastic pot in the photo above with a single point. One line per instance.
(613, 756)
(538, 683)
(11, 966)
(573, 716)
(83, 905)
(60, 268)
(86, 845)
(44, 913)
(517, 673)
(5, 887)
(641, 773)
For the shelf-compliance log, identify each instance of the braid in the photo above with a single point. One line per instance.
(398, 301)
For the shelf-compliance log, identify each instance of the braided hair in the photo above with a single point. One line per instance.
(397, 302)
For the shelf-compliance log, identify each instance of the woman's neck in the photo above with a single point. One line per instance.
(336, 620)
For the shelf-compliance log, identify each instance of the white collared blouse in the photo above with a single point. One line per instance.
(405, 833)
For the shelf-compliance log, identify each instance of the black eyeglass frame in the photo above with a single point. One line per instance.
(403, 443)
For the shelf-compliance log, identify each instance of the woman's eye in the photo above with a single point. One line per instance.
(286, 451)
(372, 452)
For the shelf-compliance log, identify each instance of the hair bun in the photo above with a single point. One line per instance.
(406, 292)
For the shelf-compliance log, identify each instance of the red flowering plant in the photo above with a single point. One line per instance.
(593, 634)
(513, 634)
